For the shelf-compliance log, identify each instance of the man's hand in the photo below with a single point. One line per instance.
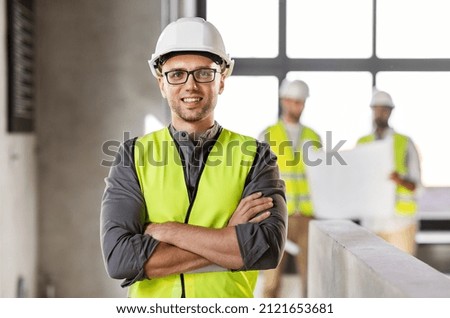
(249, 208)
(161, 231)
(151, 229)
(395, 176)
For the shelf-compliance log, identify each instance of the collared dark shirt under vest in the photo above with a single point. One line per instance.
(126, 249)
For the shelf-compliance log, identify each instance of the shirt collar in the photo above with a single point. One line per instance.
(388, 132)
(183, 136)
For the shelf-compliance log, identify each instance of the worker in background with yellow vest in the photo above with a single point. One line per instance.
(192, 210)
(291, 140)
(400, 229)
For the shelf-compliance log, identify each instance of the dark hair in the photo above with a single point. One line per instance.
(215, 58)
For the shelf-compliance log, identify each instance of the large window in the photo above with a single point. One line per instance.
(413, 29)
(248, 104)
(329, 28)
(259, 37)
(342, 48)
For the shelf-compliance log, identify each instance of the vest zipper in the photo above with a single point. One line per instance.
(191, 195)
(183, 290)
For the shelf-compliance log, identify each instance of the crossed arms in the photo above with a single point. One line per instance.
(133, 250)
(185, 247)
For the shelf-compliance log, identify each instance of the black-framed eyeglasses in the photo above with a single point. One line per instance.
(201, 75)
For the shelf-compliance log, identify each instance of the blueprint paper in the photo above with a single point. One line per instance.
(360, 189)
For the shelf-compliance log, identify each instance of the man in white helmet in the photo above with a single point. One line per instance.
(192, 210)
(290, 140)
(400, 229)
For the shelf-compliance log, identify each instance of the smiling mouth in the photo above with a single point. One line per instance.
(191, 99)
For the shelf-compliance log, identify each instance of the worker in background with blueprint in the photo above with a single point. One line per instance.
(398, 227)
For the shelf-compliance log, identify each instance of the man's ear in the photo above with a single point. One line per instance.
(161, 85)
(302, 106)
(222, 83)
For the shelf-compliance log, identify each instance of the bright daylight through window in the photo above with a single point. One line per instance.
(330, 29)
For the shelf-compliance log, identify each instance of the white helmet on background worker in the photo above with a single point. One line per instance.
(296, 90)
(190, 35)
(381, 98)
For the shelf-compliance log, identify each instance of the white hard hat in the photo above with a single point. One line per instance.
(381, 98)
(187, 35)
(297, 90)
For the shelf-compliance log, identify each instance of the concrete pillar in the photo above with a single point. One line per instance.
(93, 85)
(346, 260)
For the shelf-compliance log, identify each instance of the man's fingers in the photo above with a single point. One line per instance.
(260, 217)
(248, 198)
(249, 206)
(259, 208)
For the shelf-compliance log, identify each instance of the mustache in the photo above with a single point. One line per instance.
(382, 123)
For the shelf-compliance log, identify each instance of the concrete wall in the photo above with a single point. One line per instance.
(94, 84)
(346, 260)
(18, 207)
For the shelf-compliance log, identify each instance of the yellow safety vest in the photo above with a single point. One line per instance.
(292, 166)
(219, 190)
(405, 203)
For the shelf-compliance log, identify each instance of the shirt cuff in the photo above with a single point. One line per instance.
(252, 243)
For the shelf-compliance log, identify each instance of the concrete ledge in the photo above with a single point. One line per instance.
(346, 260)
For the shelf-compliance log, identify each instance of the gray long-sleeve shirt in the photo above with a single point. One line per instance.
(125, 247)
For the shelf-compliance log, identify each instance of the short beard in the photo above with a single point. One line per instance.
(381, 123)
(192, 117)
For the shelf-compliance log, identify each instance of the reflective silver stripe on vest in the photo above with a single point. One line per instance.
(405, 197)
(298, 197)
(292, 175)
